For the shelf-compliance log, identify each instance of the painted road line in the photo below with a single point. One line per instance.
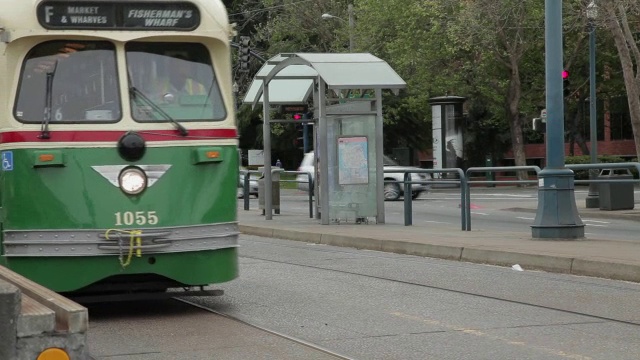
(597, 221)
(524, 218)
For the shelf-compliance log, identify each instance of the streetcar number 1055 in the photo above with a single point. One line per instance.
(138, 218)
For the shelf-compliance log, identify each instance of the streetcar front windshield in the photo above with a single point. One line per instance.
(70, 81)
(172, 82)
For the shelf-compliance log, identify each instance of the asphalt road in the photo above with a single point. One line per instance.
(513, 209)
(371, 305)
(505, 209)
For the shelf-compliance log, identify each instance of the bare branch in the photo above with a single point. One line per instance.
(628, 35)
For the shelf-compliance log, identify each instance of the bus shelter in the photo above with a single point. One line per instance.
(346, 95)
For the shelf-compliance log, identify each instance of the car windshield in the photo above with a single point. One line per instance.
(176, 78)
(73, 81)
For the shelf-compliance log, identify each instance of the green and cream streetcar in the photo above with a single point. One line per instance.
(118, 144)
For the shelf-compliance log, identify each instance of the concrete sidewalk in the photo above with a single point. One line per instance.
(606, 258)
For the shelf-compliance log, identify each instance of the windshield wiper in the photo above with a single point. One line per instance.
(134, 92)
(48, 100)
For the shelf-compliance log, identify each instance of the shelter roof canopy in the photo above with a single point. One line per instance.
(290, 76)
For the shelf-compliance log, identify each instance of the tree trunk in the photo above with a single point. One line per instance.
(616, 21)
(515, 121)
(576, 136)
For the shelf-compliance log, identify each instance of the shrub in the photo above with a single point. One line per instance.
(586, 159)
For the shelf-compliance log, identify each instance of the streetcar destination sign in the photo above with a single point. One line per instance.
(101, 15)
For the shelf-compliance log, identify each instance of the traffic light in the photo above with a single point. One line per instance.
(304, 130)
(565, 83)
(303, 116)
(300, 139)
(244, 51)
(307, 132)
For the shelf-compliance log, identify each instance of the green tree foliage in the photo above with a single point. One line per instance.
(504, 35)
(489, 51)
(411, 37)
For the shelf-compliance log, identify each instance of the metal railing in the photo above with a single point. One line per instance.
(464, 181)
(309, 189)
(247, 179)
(471, 170)
(245, 185)
(408, 206)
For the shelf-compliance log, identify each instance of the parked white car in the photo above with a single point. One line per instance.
(253, 184)
(393, 186)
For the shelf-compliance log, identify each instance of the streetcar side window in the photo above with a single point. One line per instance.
(172, 80)
(73, 81)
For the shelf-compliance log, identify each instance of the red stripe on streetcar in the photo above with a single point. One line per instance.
(111, 136)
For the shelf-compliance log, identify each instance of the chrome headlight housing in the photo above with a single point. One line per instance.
(132, 180)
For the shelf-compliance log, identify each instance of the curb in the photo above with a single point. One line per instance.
(598, 214)
(548, 263)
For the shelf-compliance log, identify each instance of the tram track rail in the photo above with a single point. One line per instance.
(446, 289)
(269, 331)
(178, 328)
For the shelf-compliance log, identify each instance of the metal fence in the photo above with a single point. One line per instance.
(247, 179)
(464, 181)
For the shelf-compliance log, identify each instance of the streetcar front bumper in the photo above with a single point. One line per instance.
(39, 243)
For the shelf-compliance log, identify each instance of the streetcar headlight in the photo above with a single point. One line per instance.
(132, 180)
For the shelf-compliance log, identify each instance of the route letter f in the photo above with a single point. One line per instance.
(48, 12)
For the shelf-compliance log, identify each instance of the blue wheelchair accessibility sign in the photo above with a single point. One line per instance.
(7, 160)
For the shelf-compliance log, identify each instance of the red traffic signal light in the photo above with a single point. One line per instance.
(297, 116)
(565, 74)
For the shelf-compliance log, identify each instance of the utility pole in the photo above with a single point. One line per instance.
(557, 216)
(593, 198)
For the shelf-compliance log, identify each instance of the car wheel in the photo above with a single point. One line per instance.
(416, 194)
(391, 191)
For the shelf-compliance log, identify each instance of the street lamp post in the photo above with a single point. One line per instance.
(557, 216)
(593, 198)
(352, 24)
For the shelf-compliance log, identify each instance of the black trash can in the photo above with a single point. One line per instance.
(616, 196)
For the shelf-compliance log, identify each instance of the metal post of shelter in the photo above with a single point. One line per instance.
(266, 139)
(323, 164)
(379, 163)
(316, 151)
